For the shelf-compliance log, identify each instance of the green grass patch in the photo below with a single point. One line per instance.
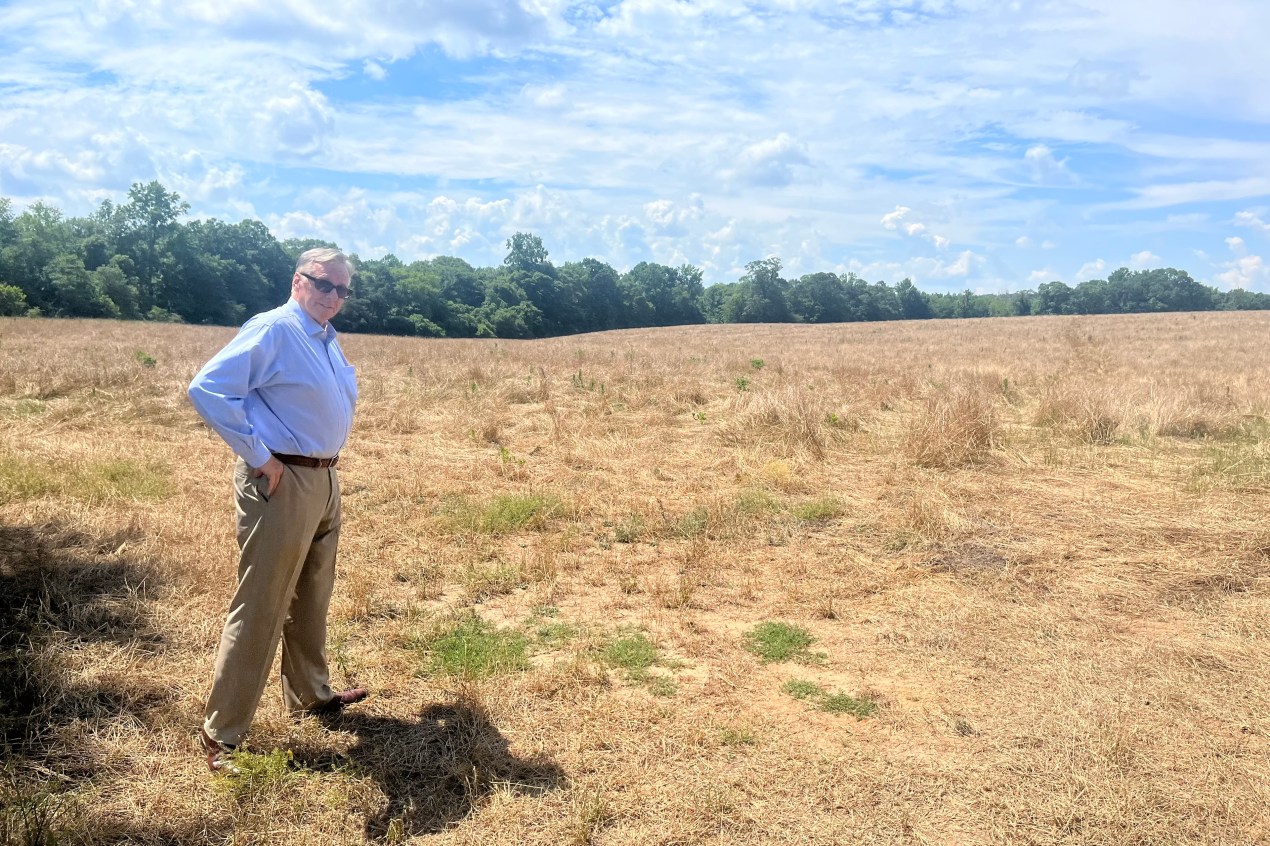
(662, 686)
(23, 408)
(754, 503)
(693, 524)
(1233, 466)
(859, 707)
(800, 689)
(629, 530)
(95, 483)
(496, 578)
(818, 510)
(737, 737)
(845, 703)
(555, 634)
(777, 641)
(633, 653)
(472, 648)
(259, 774)
(503, 514)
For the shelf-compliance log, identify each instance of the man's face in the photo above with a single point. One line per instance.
(321, 307)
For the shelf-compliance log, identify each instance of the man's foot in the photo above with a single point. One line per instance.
(219, 755)
(339, 702)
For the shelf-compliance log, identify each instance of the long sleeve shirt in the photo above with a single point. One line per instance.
(281, 385)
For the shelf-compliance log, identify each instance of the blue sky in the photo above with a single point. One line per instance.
(962, 143)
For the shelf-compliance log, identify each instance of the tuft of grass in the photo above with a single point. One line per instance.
(662, 686)
(261, 774)
(549, 632)
(498, 578)
(629, 530)
(35, 812)
(730, 736)
(753, 503)
(778, 641)
(693, 524)
(954, 428)
(145, 359)
(503, 514)
(859, 707)
(633, 653)
(826, 508)
(472, 648)
(844, 703)
(801, 689)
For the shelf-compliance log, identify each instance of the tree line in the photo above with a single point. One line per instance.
(138, 260)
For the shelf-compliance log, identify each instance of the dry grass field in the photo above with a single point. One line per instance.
(963, 582)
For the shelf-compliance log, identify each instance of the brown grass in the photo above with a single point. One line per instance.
(1039, 544)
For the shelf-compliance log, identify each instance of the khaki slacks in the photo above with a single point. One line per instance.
(286, 572)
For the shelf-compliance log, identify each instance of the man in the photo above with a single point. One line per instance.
(282, 395)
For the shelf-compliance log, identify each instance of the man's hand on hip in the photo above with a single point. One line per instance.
(273, 469)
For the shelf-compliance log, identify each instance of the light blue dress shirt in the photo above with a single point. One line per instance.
(282, 385)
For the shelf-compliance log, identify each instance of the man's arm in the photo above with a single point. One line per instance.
(219, 392)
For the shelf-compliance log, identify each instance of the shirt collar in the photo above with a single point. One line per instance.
(311, 326)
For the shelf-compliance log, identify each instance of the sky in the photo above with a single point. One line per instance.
(966, 144)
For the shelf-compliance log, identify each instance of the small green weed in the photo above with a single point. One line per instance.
(699, 416)
(472, 648)
(757, 363)
(777, 641)
(144, 358)
(629, 530)
(742, 384)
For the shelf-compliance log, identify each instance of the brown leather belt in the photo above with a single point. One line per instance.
(305, 461)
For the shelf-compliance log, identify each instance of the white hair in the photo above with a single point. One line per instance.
(323, 255)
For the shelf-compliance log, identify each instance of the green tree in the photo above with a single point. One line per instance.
(913, 303)
(12, 301)
(147, 221)
(76, 292)
(760, 295)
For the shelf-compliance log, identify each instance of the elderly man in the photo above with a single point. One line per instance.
(281, 394)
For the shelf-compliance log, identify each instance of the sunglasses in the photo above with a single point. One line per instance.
(324, 287)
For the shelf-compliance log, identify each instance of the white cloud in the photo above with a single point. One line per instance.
(1023, 242)
(1248, 272)
(1038, 277)
(1236, 244)
(771, 162)
(374, 70)
(891, 220)
(296, 123)
(1091, 270)
(1045, 167)
(1253, 221)
(1143, 260)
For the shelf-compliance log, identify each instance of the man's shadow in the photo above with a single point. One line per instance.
(435, 770)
